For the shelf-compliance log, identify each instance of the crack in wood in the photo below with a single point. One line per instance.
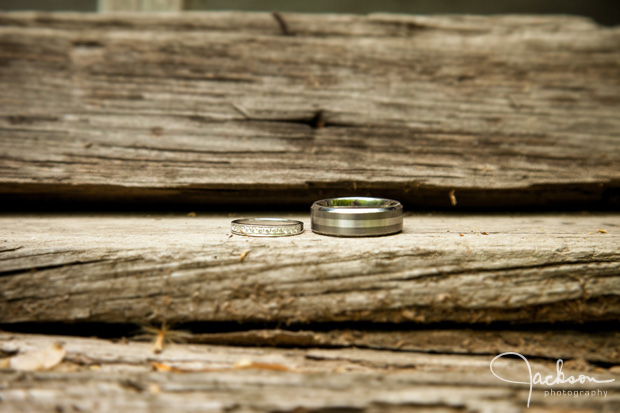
(282, 23)
(420, 195)
(5, 273)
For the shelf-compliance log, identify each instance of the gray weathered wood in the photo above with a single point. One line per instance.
(140, 5)
(461, 268)
(220, 107)
(97, 375)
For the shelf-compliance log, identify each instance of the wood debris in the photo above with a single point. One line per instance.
(239, 365)
(452, 197)
(38, 360)
(164, 335)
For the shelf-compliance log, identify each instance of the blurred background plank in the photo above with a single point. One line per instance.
(99, 375)
(600, 10)
(140, 5)
(227, 108)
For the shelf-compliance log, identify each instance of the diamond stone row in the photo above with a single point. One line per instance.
(266, 230)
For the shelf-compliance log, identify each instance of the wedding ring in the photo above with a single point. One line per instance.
(266, 227)
(357, 217)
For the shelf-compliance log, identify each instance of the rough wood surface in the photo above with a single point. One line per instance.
(98, 375)
(459, 268)
(246, 107)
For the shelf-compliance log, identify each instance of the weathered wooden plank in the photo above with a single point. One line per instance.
(98, 375)
(221, 107)
(461, 268)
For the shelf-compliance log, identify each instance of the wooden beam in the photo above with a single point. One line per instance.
(442, 268)
(507, 111)
(101, 375)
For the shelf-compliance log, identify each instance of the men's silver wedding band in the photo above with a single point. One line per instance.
(357, 217)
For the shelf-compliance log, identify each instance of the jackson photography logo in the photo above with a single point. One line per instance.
(550, 380)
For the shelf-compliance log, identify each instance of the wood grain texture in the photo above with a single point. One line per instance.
(204, 108)
(456, 268)
(98, 375)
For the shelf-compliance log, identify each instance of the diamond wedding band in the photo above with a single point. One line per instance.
(357, 217)
(266, 227)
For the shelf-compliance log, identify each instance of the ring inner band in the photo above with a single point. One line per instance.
(358, 203)
(267, 222)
